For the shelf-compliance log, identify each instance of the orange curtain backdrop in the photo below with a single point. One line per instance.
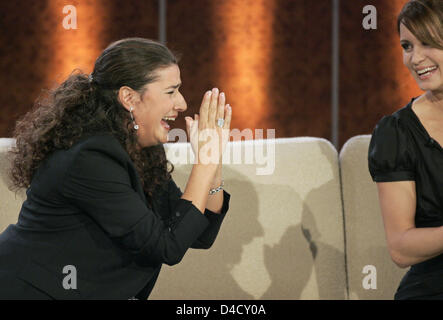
(75, 48)
(243, 58)
(373, 80)
(271, 57)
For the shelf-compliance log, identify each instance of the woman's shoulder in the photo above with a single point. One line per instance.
(404, 115)
(100, 142)
(89, 151)
(97, 139)
(398, 123)
(96, 149)
(390, 149)
(399, 117)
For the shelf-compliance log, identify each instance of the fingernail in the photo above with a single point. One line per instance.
(228, 106)
(222, 94)
(215, 90)
(208, 93)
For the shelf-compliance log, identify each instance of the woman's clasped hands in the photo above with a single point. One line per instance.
(209, 131)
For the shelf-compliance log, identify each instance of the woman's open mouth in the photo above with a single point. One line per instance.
(426, 73)
(165, 120)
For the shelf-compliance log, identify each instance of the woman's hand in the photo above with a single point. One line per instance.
(209, 139)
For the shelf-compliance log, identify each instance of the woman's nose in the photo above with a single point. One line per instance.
(180, 104)
(417, 56)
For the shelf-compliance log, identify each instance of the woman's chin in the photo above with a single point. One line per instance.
(430, 85)
(158, 141)
(165, 136)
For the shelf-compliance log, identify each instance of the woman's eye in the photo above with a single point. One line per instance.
(170, 92)
(405, 46)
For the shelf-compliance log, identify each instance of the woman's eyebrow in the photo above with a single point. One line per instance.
(174, 87)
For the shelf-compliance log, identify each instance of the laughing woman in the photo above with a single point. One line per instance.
(100, 197)
(406, 158)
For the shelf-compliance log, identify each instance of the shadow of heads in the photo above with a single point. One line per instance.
(323, 228)
(327, 246)
(302, 265)
(308, 260)
(207, 274)
(273, 244)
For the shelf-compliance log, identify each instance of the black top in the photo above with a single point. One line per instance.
(402, 150)
(86, 208)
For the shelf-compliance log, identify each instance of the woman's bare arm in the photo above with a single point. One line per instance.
(407, 244)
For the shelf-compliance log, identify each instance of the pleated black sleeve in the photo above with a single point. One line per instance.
(390, 157)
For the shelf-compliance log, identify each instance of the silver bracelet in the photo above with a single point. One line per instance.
(219, 188)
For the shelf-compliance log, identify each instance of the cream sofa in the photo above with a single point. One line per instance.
(304, 223)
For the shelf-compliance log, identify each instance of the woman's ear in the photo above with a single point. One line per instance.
(128, 97)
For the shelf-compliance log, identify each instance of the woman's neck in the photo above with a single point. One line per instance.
(435, 98)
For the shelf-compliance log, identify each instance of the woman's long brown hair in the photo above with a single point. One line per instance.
(80, 107)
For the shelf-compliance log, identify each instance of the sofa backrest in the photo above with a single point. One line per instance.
(283, 236)
(366, 251)
(10, 203)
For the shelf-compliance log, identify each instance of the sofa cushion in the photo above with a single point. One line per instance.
(366, 250)
(10, 202)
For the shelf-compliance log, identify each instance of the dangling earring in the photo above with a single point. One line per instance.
(132, 117)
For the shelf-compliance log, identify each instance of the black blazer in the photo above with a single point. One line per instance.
(86, 208)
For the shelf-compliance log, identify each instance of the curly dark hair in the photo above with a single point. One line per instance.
(85, 105)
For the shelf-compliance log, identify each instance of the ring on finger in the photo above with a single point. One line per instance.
(220, 122)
